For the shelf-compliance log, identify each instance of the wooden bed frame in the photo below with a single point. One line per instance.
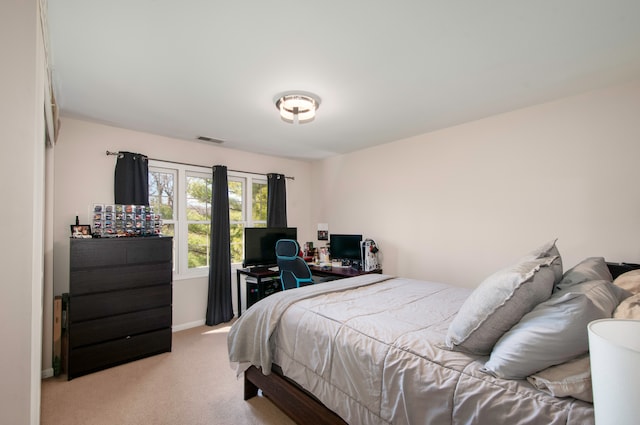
(297, 403)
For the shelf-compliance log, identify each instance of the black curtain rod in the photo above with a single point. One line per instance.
(197, 165)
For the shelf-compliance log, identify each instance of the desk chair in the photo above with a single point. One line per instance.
(294, 271)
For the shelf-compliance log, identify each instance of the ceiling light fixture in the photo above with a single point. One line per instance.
(297, 107)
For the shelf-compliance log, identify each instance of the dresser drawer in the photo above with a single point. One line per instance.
(120, 326)
(94, 306)
(87, 253)
(115, 278)
(95, 253)
(100, 356)
(149, 250)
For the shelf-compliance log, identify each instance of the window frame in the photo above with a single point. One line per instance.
(186, 222)
(174, 220)
(180, 222)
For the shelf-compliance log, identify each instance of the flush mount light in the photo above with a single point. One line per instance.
(297, 107)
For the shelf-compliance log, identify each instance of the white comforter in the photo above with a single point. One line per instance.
(371, 353)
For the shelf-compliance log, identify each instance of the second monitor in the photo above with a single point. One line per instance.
(345, 248)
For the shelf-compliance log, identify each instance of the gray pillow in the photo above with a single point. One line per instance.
(548, 250)
(570, 379)
(499, 302)
(592, 268)
(554, 332)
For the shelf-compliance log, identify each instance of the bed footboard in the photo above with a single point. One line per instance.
(299, 405)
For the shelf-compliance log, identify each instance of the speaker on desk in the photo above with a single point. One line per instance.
(253, 295)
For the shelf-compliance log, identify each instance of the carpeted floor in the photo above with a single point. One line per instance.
(192, 385)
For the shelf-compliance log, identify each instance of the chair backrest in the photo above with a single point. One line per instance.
(294, 271)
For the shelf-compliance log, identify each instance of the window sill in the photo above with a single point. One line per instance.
(203, 273)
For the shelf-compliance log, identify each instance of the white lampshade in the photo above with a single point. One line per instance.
(614, 346)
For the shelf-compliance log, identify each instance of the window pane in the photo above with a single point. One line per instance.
(259, 193)
(237, 249)
(161, 195)
(168, 229)
(198, 199)
(198, 245)
(235, 200)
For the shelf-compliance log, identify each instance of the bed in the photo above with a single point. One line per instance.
(378, 349)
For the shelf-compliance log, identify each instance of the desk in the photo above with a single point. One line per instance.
(339, 272)
(258, 274)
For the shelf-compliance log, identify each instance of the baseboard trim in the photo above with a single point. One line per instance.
(185, 326)
(47, 373)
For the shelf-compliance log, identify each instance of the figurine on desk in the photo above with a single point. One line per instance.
(320, 258)
(308, 252)
(325, 260)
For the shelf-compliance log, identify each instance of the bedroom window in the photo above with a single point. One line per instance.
(162, 183)
(247, 208)
(198, 213)
(182, 194)
(247, 197)
(236, 218)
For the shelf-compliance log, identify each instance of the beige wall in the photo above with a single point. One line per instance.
(457, 204)
(451, 206)
(84, 176)
(22, 194)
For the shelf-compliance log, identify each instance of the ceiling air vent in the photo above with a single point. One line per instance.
(210, 140)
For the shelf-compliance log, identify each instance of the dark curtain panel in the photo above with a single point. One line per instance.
(131, 185)
(219, 304)
(276, 200)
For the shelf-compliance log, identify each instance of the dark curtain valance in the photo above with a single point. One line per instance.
(219, 303)
(131, 183)
(276, 200)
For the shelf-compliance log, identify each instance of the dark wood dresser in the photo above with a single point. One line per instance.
(120, 299)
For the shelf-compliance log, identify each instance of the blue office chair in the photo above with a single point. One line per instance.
(294, 271)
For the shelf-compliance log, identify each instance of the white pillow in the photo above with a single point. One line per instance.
(499, 302)
(554, 332)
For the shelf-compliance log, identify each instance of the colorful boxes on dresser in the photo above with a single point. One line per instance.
(112, 220)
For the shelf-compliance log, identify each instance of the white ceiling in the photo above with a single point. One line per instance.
(384, 70)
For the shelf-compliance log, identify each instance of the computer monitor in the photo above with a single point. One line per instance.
(260, 244)
(345, 247)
